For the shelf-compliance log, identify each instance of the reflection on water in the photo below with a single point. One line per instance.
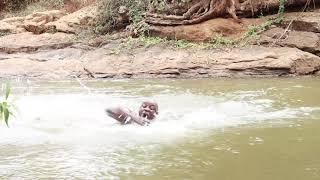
(207, 129)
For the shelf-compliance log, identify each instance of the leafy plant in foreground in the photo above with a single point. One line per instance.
(5, 106)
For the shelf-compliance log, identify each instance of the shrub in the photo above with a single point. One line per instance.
(109, 17)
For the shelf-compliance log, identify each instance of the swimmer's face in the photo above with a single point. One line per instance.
(148, 110)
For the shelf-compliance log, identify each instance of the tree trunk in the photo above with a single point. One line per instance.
(202, 10)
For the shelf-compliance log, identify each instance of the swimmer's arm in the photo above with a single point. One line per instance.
(126, 116)
(118, 114)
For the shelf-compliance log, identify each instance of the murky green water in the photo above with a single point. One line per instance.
(207, 129)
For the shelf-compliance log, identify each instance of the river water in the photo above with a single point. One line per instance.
(226, 129)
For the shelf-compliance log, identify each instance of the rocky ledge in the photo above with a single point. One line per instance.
(63, 60)
(32, 52)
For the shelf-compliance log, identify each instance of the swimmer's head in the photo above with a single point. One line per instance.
(148, 110)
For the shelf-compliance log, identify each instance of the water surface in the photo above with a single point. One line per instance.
(207, 129)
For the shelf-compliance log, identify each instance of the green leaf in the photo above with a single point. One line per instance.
(6, 115)
(7, 89)
(1, 111)
(6, 107)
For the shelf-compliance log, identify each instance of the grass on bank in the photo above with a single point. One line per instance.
(147, 41)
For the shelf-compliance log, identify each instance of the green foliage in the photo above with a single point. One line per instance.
(254, 30)
(281, 7)
(183, 44)
(141, 41)
(151, 41)
(146, 41)
(219, 41)
(6, 106)
(4, 33)
(108, 18)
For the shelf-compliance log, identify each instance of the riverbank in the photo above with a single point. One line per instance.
(48, 46)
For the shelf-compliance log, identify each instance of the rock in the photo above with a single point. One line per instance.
(70, 23)
(51, 64)
(28, 42)
(306, 41)
(12, 25)
(308, 21)
(274, 61)
(32, 23)
(14, 20)
(205, 31)
(36, 22)
(65, 54)
(6, 27)
(26, 68)
(48, 16)
(158, 62)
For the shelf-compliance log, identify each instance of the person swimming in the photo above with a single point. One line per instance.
(147, 113)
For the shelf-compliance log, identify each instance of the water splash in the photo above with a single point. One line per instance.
(80, 118)
(82, 84)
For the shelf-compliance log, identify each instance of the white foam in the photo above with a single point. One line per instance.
(81, 119)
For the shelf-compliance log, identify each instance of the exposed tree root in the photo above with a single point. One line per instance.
(201, 10)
